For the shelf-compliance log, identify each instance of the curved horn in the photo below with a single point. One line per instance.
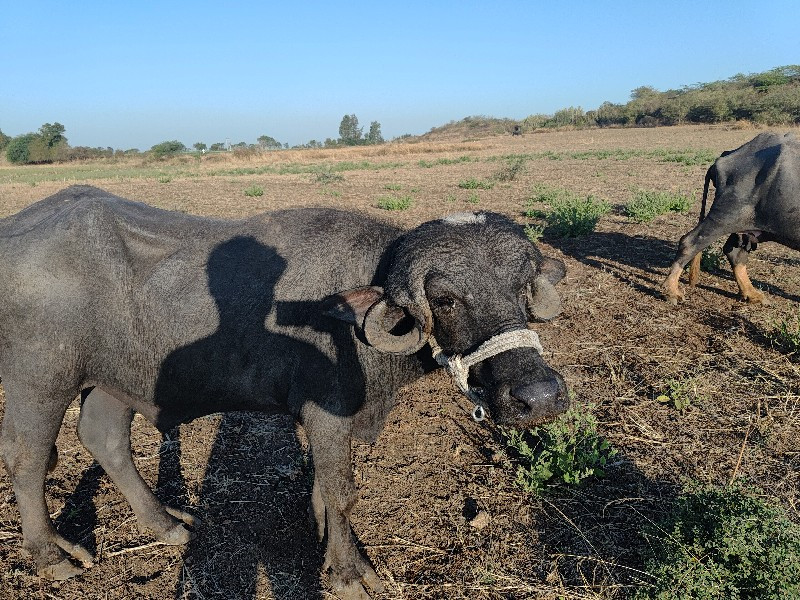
(389, 328)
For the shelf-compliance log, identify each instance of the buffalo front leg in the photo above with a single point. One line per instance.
(689, 247)
(737, 256)
(333, 498)
(29, 431)
(104, 428)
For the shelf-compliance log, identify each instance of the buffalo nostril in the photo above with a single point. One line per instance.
(542, 396)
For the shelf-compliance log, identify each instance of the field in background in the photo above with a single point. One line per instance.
(433, 470)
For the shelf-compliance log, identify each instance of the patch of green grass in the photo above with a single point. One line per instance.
(711, 259)
(646, 205)
(164, 179)
(394, 202)
(427, 164)
(475, 184)
(722, 544)
(680, 393)
(514, 166)
(569, 215)
(786, 332)
(254, 190)
(534, 232)
(473, 198)
(566, 451)
(325, 177)
(393, 187)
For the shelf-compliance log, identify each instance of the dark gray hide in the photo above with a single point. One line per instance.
(175, 316)
(757, 199)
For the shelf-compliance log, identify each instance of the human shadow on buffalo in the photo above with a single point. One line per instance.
(256, 489)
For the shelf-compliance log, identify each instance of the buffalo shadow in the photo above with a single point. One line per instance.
(647, 260)
(255, 494)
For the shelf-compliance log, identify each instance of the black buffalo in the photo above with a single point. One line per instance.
(757, 199)
(321, 313)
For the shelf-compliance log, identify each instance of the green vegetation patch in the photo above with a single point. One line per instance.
(569, 214)
(254, 190)
(566, 451)
(475, 184)
(646, 205)
(394, 202)
(723, 544)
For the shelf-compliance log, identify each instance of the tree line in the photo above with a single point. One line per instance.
(49, 144)
(770, 98)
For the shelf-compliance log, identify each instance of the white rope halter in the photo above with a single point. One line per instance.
(458, 366)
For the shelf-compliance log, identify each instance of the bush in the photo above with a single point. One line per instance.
(18, 149)
(573, 217)
(394, 202)
(254, 190)
(568, 450)
(723, 544)
(475, 184)
(646, 205)
(165, 149)
(786, 333)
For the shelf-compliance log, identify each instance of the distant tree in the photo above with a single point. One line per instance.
(18, 149)
(269, 143)
(374, 136)
(4, 139)
(643, 91)
(349, 131)
(217, 147)
(199, 146)
(52, 134)
(165, 149)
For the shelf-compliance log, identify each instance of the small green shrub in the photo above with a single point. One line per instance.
(723, 544)
(473, 198)
(475, 184)
(514, 166)
(534, 232)
(786, 332)
(393, 187)
(711, 259)
(254, 190)
(164, 179)
(327, 176)
(679, 393)
(394, 202)
(568, 450)
(646, 205)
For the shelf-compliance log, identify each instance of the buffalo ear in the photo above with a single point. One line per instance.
(542, 298)
(352, 306)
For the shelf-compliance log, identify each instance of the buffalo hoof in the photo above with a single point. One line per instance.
(60, 571)
(177, 536)
(757, 298)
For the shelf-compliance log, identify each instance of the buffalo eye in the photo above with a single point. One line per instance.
(443, 302)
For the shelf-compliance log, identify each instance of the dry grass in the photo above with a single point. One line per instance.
(617, 345)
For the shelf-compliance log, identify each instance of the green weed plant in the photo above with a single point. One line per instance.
(723, 544)
(646, 205)
(566, 451)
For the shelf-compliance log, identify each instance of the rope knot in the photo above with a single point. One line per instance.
(458, 366)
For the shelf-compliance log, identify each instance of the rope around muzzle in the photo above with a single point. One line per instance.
(458, 366)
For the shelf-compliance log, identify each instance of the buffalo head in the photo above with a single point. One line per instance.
(461, 281)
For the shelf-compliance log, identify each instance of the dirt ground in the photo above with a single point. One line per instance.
(433, 470)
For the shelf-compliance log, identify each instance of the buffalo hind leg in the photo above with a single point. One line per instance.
(29, 431)
(689, 247)
(333, 498)
(104, 428)
(737, 255)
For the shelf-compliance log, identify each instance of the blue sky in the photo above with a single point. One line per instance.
(133, 74)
